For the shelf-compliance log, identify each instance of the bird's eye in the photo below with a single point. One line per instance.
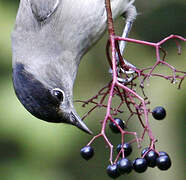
(58, 93)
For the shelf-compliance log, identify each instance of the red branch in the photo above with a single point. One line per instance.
(126, 91)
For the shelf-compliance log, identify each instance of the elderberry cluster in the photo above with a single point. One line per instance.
(149, 156)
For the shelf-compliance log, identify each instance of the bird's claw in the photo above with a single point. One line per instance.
(125, 80)
(128, 72)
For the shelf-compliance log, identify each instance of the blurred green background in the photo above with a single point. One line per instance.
(31, 149)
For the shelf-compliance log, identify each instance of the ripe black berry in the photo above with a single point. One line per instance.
(87, 152)
(140, 165)
(112, 171)
(159, 113)
(113, 126)
(163, 162)
(124, 166)
(144, 151)
(151, 157)
(161, 153)
(127, 149)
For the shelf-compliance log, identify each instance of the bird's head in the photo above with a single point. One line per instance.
(48, 102)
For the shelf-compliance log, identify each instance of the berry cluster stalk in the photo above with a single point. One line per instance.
(126, 90)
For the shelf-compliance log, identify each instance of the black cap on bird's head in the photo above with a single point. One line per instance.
(50, 105)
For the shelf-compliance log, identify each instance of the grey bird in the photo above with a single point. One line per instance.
(48, 42)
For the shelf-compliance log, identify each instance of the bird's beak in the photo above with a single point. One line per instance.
(76, 121)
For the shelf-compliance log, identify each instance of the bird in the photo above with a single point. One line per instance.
(49, 39)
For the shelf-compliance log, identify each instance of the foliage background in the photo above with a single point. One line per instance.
(31, 149)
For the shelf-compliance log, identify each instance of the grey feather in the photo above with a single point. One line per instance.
(43, 9)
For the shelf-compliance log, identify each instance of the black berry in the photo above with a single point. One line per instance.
(87, 152)
(113, 126)
(127, 149)
(159, 113)
(112, 171)
(124, 166)
(140, 165)
(151, 157)
(162, 153)
(163, 162)
(144, 151)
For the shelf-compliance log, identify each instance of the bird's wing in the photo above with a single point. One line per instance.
(42, 9)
